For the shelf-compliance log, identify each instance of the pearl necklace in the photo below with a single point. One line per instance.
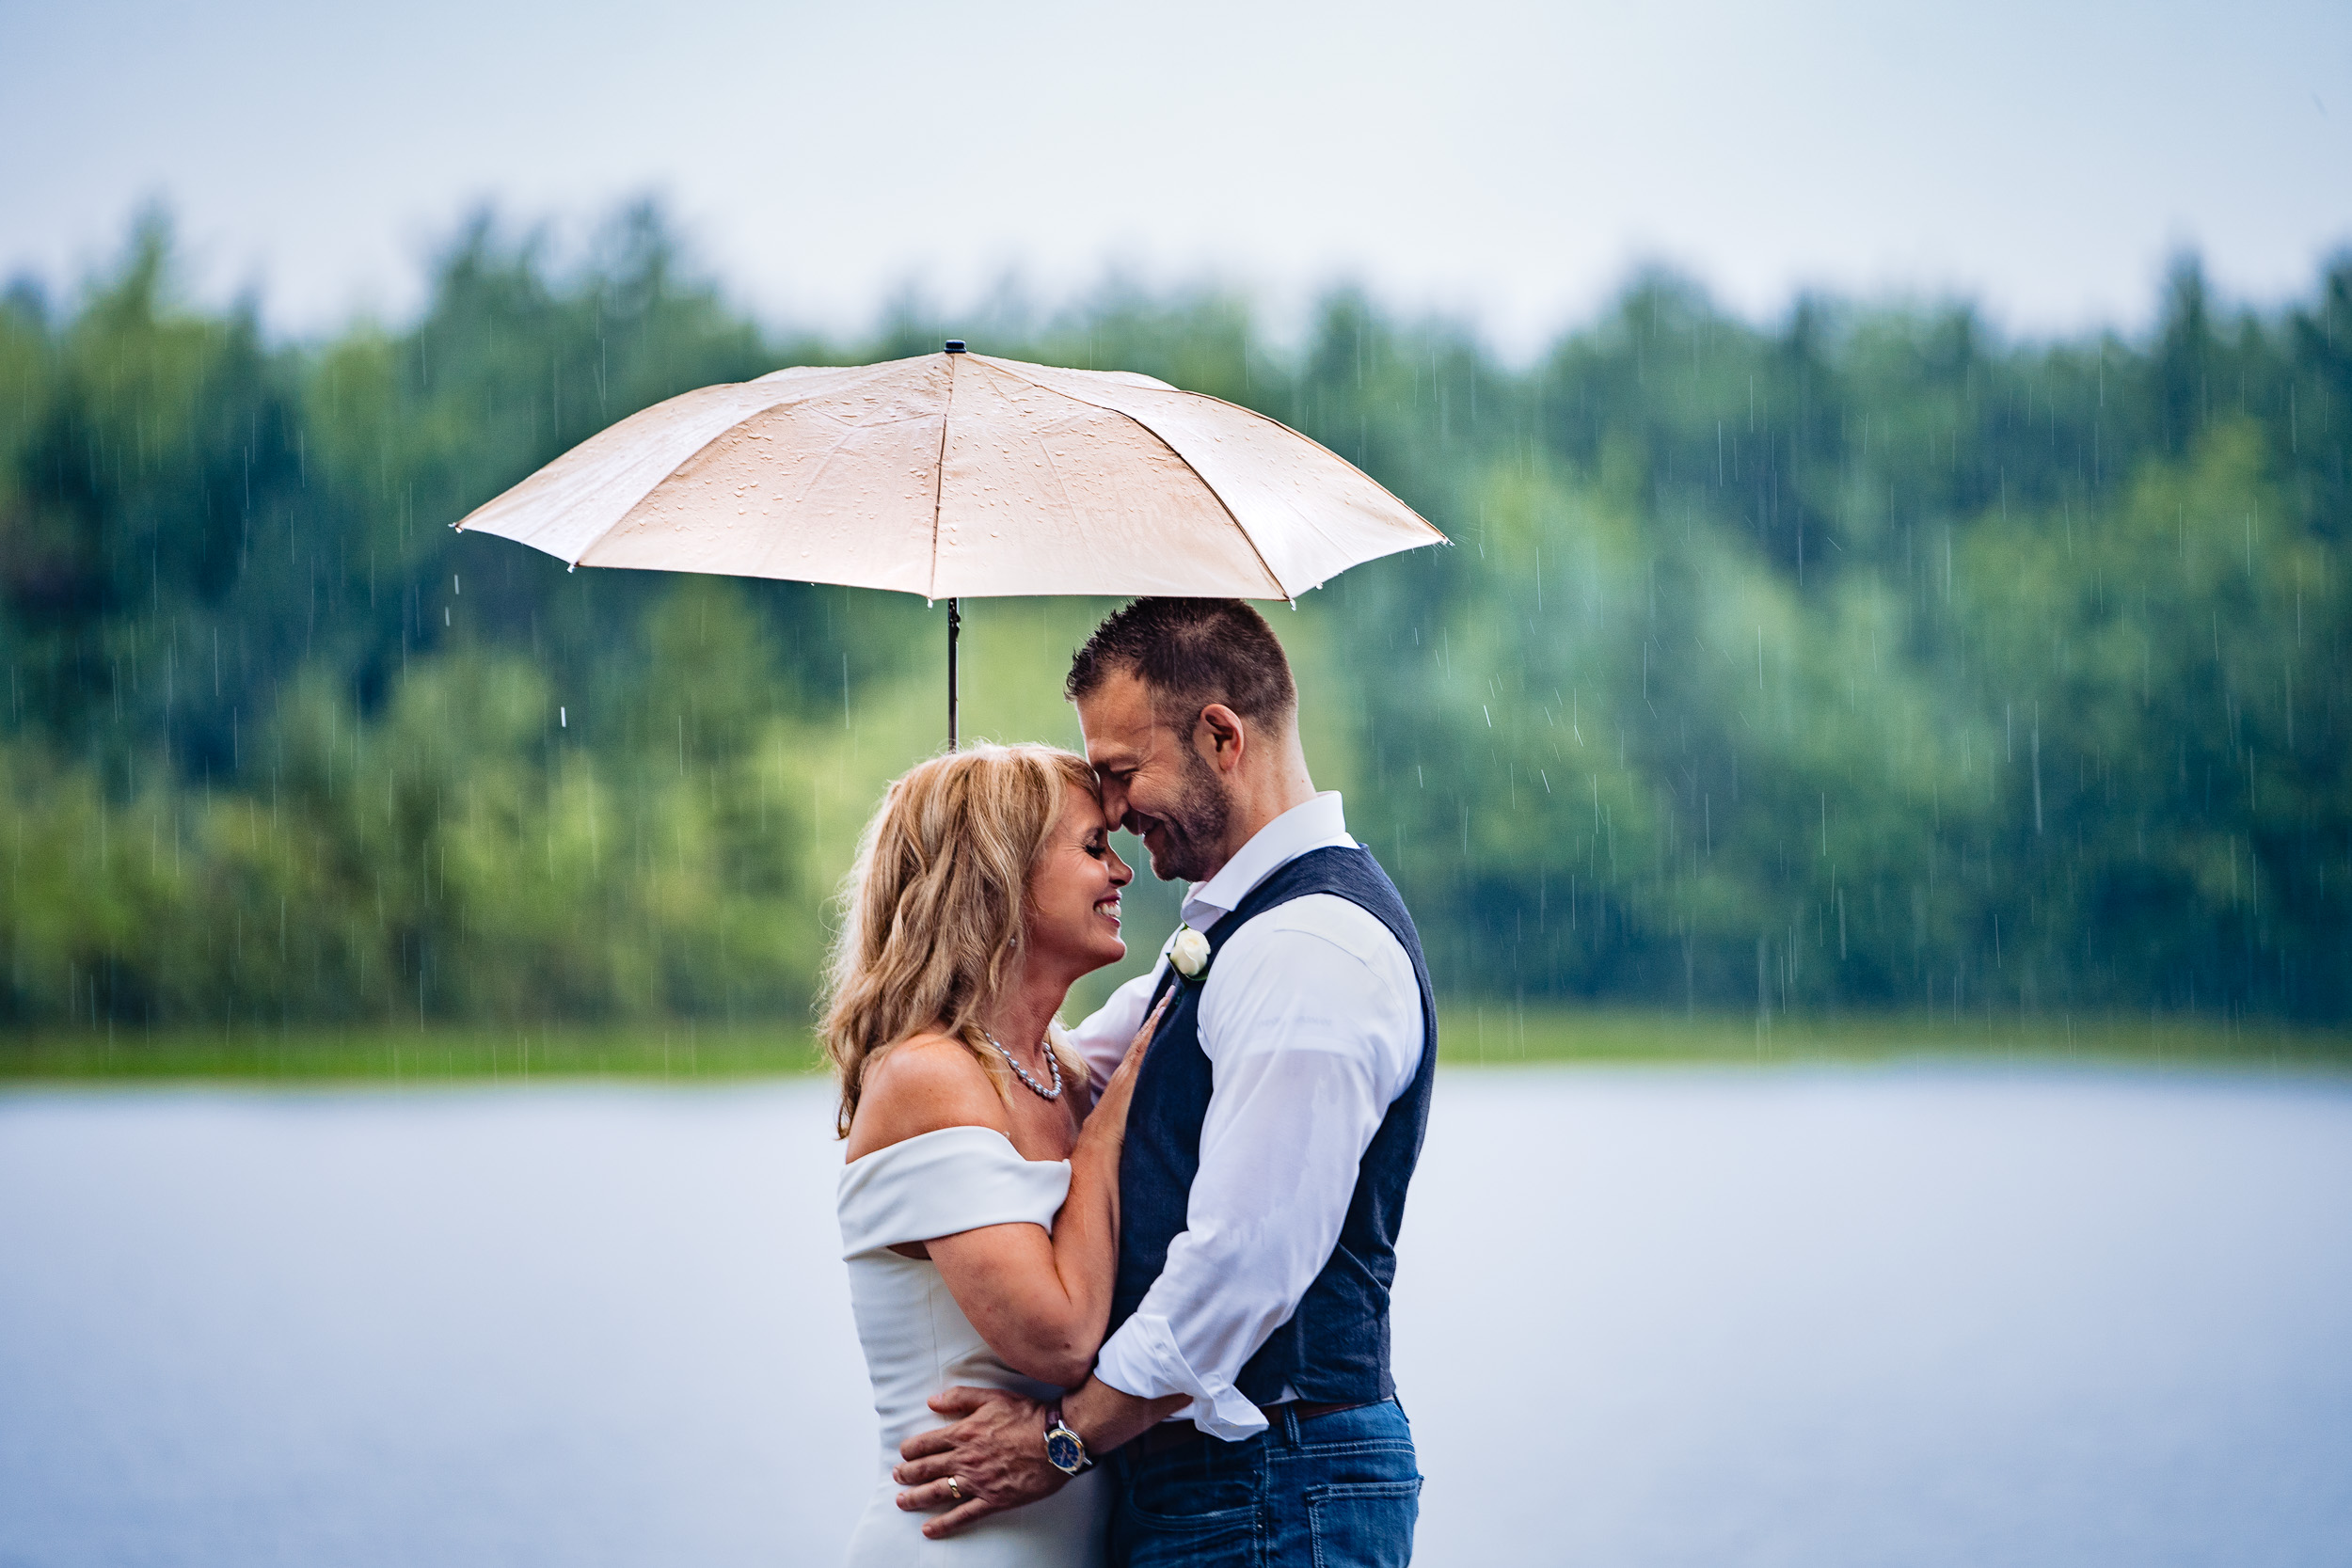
(1053, 1064)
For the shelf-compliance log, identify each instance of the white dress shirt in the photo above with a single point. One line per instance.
(1310, 1020)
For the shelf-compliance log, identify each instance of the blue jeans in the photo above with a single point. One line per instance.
(1336, 1491)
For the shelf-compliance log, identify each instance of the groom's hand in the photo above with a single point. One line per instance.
(996, 1454)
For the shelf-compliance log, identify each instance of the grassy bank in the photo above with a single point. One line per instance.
(1500, 1033)
(685, 1050)
(1470, 1033)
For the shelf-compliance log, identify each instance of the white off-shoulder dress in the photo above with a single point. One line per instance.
(918, 1341)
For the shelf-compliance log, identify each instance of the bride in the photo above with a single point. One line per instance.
(979, 1203)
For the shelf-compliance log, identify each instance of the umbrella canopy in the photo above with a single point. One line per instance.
(957, 474)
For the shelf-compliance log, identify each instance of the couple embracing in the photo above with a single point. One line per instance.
(1139, 1268)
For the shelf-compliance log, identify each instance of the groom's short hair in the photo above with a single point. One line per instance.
(1190, 653)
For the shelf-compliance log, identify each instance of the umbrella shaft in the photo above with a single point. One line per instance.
(954, 627)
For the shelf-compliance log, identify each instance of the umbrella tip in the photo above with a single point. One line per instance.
(955, 346)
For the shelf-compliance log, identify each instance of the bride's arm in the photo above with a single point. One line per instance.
(1042, 1302)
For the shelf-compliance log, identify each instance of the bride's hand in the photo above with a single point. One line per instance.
(1110, 1110)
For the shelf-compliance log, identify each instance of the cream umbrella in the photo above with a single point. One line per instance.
(954, 475)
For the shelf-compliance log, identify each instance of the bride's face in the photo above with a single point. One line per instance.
(1072, 915)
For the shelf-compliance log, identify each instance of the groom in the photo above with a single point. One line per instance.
(1242, 1399)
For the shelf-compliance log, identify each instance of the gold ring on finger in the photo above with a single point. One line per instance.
(955, 1488)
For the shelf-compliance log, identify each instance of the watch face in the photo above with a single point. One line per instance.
(1063, 1449)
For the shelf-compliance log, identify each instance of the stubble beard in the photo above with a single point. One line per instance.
(1194, 827)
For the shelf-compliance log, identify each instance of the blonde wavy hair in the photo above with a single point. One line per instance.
(932, 908)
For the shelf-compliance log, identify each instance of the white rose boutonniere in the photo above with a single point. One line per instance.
(1189, 953)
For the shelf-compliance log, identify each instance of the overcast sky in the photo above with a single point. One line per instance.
(1503, 162)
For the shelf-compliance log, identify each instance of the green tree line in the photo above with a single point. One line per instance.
(1865, 658)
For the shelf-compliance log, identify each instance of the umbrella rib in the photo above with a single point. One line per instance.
(810, 484)
(823, 462)
(660, 480)
(1263, 565)
(939, 475)
(1059, 483)
(663, 478)
(734, 426)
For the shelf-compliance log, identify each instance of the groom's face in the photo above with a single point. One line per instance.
(1155, 783)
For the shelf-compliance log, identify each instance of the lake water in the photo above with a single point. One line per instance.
(1901, 1315)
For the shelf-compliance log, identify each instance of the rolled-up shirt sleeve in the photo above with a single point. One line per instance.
(1310, 1017)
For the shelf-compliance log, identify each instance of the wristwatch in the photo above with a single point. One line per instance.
(1065, 1450)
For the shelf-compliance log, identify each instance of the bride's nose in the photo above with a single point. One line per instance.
(1121, 873)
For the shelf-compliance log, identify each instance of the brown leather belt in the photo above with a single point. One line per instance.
(1177, 1435)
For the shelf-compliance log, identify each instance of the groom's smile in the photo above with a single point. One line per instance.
(1156, 785)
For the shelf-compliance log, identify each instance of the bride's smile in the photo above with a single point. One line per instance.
(1073, 902)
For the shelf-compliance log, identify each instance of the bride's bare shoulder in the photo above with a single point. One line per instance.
(923, 1083)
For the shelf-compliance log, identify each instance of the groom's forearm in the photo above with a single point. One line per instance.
(1105, 1418)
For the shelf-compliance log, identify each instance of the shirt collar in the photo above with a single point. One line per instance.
(1314, 824)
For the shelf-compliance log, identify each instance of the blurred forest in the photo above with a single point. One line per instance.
(1862, 660)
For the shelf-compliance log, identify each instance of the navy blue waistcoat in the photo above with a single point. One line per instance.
(1334, 1349)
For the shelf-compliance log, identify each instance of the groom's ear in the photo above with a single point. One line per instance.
(1221, 736)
